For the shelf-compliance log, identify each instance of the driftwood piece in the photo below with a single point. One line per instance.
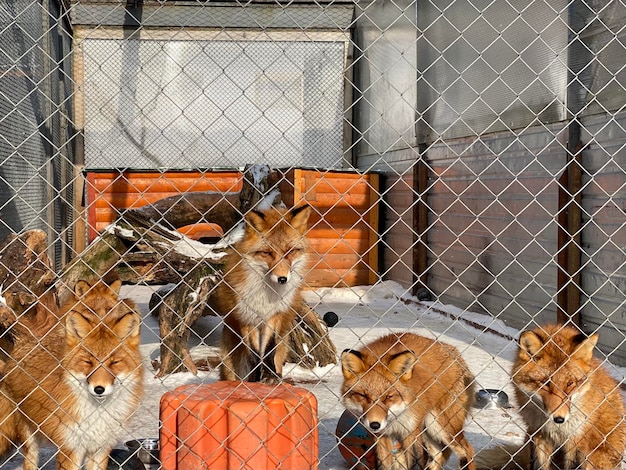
(177, 310)
(28, 305)
(309, 343)
(224, 209)
(24, 263)
(98, 261)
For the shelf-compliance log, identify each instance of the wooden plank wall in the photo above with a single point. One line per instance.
(343, 228)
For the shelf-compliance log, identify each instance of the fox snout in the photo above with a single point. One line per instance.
(375, 419)
(280, 273)
(557, 406)
(100, 383)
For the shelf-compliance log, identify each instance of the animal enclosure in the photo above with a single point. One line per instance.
(465, 161)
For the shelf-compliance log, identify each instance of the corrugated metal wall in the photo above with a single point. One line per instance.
(35, 152)
(492, 94)
(604, 231)
(492, 239)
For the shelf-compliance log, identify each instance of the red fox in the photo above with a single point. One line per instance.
(78, 385)
(411, 392)
(572, 407)
(262, 279)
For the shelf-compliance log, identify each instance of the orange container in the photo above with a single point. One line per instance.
(238, 425)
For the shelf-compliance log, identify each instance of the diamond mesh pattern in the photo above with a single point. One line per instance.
(464, 162)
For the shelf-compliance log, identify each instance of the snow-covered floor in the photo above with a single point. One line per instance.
(365, 313)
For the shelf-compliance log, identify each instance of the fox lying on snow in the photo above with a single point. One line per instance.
(414, 391)
(261, 287)
(572, 407)
(78, 386)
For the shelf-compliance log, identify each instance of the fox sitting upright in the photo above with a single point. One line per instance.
(78, 385)
(261, 287)
(572, 407)
(411, 392)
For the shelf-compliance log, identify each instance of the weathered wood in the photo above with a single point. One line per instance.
(177, 311)
(98, 261)
(190, 208)
(28, 305)
(224, 209)
(309, 343)
(24, 263)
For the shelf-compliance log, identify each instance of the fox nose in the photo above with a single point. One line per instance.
(98, 390)
(282, 280)
(374, 425)
(559, 419)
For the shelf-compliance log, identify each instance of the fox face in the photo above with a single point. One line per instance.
(375, 392)
(274, 246)
(102, 335)
(552, 370)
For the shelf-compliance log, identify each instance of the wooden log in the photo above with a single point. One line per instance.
(309, 343)
(24, 263)
(28, 305)
(177, 310)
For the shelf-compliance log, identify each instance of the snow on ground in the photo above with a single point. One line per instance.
(365, 313)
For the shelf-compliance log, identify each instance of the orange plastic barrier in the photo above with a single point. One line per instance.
(238, 425)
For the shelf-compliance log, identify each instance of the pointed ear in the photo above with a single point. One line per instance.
(81, 288)
(352, 364)
(401, 364)
(77, 326)
(256, 220)
(128, 326)
(299, 217)
(116, 286)
(584, 351)
(530, 343)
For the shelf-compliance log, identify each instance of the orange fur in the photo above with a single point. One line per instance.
(568, 400)
(262, 279)
(413, 390)
(78, 385)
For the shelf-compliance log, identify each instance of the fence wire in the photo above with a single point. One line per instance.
(464, 166)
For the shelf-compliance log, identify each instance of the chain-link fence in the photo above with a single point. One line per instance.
(464, 166)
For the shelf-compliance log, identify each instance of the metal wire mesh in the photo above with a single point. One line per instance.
(464, 162)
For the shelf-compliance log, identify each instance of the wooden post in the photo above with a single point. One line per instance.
(569, 221)
(420, 222)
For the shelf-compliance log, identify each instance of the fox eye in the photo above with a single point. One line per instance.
(265, 253)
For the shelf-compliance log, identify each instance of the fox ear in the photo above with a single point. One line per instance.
(584, 351)
(81, 288)
(352, 363)
(256, 220)
(128, 326)
(116, 286)
(77, 326)
(401, 364)
(530, 343)
(299, 217)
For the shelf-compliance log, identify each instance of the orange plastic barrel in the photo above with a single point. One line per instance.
(238, 425)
